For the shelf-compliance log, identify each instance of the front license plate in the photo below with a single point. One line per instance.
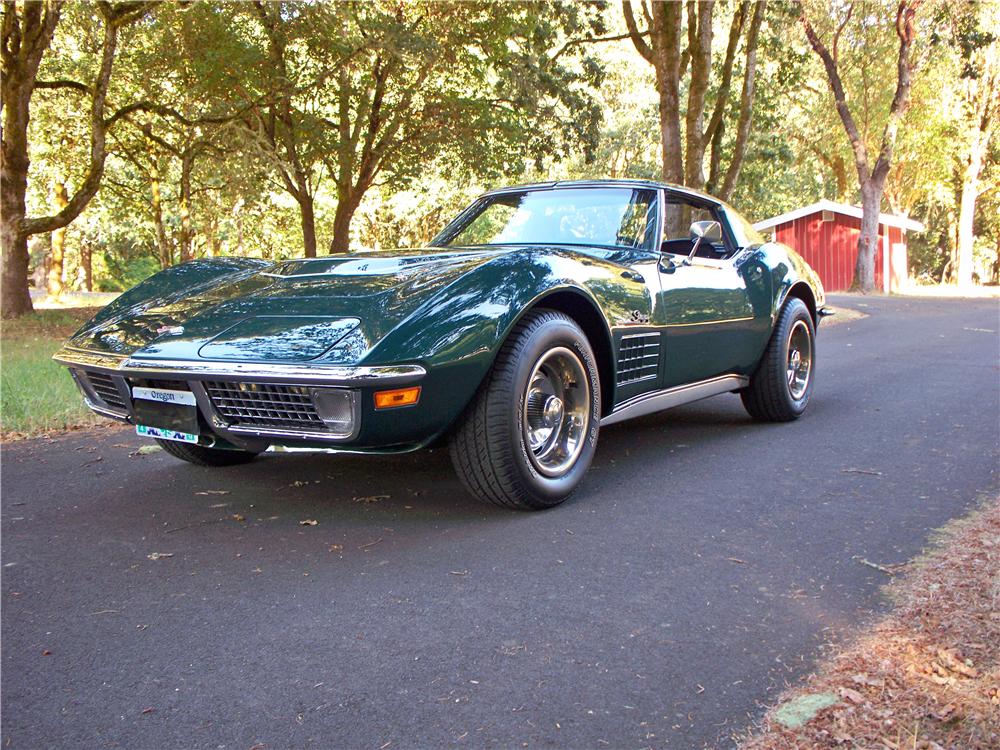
(174, 411)
(157, 432)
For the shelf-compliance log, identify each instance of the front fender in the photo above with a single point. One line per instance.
(458, 333)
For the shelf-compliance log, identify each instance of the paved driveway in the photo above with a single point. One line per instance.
(704, 564)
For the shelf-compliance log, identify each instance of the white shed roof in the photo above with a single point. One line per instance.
(889, 220)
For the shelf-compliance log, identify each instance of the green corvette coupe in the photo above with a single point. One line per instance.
(539, 315)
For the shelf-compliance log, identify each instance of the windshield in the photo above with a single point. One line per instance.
(606, 217)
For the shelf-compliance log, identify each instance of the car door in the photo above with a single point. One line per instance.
(709, 306)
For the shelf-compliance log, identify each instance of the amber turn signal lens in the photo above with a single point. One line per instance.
(398, 397)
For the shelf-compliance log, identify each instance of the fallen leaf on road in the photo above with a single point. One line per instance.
(336, 547)
(159, 555)
(872, 472)
(370, 544)
(46, 652)
(371, 498)
(309, 522)
(889, 570)
(213, 492)
(148, 710)
(737, 560)
(459, 572)
(145, 450)
(238, 517)
(301, 483)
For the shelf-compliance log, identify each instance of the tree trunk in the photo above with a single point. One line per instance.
(864, 268)
(307, 216)
(967, 211)
(666, 37)
(15, 299)
(187, 233)
(700, 48)
(162, 243)
(840, 175)
(870, 179)
(346, 206)
(27, 33)
(57, 266)
(745, 121)
(86, 263)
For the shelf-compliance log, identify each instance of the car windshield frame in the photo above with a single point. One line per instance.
(630, 195)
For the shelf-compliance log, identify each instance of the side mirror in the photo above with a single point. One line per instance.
(704, 231)
(707, 231)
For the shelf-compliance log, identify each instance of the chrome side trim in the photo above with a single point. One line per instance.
(648, 403)
(116, 415)
(709, 322)
(186, 369)
(70, 355)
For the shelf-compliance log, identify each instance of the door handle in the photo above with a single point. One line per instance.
(633, 276)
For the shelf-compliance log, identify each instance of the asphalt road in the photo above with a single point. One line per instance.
(704, 563)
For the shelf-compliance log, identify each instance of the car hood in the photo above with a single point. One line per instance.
(331, 309)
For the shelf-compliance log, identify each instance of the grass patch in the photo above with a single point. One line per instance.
(36, 394)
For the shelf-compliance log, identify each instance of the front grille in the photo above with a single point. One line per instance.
(104, 386)
(265, 405)
(638, 357)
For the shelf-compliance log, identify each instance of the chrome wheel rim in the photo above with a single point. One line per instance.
(800, 357)
(556, 411)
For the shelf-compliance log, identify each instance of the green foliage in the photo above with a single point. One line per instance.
(484, 94)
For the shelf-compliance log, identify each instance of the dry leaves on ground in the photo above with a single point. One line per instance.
(927, 675)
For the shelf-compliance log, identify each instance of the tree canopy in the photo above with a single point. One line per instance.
(139, 135)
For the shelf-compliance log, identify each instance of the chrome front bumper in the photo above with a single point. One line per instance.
(120, 369)
(123, 364)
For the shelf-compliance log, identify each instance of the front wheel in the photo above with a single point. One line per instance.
(780, 389)
(529, 435)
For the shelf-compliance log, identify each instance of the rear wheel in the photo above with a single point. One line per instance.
(202, 456)
(780, 389)
(529, 435)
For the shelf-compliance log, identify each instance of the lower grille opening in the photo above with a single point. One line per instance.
(106, 390)
(265, 405)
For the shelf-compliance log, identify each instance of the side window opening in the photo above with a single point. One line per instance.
(678, 215)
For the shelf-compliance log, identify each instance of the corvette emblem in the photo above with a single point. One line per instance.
(170, 330)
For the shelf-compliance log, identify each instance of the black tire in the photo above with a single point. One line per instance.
(202, 456)
(773, 394)
(491, 447)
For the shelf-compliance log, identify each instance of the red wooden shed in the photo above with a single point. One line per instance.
(826, 235)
